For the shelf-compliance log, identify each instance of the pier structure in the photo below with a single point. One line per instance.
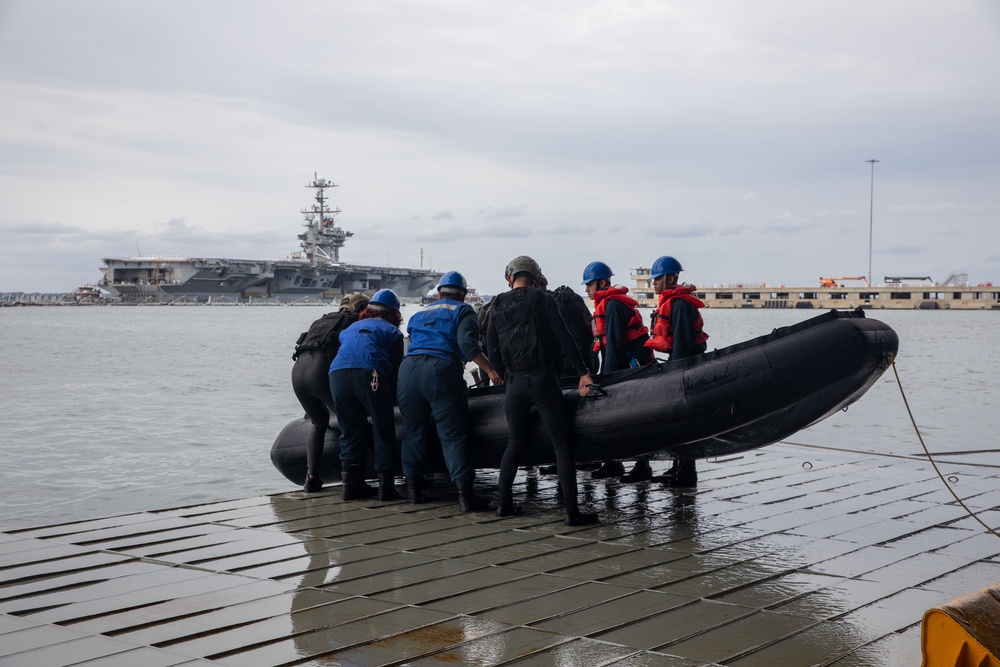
(892, 295)
(789, 555)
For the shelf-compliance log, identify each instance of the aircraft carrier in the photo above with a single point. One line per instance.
(314, 273)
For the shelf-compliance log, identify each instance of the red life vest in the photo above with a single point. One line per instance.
(633, 329)
(662, 339)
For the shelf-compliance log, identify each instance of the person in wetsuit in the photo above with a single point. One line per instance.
(363, 386)
(619, 338)
(314, 350)
(528, 332)
(433, 393)
(677, 329)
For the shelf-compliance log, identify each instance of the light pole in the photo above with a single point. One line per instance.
(871, 210)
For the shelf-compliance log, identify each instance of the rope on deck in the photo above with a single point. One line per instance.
(930, 458)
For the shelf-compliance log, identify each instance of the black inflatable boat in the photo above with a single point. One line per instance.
(729, 400)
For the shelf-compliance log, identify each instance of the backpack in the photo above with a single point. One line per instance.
(579, 320)
(324, 334)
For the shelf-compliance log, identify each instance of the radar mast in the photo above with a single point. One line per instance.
(322, 238)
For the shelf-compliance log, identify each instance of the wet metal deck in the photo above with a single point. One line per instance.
(785, 556)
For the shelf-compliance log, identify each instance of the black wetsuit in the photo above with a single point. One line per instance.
(529, 333)
(314, 351)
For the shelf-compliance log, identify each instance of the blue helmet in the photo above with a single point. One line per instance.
(596, 271)
(666, 265)
(453, 279)
(387, 298)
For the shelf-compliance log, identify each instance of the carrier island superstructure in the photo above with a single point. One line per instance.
(314, 273)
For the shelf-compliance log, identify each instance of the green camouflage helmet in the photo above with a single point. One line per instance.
(523, 264)
(355, 301)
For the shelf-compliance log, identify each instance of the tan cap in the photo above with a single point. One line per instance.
(355, 301)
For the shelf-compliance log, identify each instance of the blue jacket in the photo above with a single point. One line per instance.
(447, 329)
(370, 344)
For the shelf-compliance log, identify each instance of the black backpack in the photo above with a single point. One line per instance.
(578, 319)
(324, 333)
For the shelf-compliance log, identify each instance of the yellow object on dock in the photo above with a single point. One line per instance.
(964, 632)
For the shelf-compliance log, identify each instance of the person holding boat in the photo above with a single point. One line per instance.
(529, 334)
(677, 329)
(620, 340)
(433, 393)
(363, 386)
(314, 351)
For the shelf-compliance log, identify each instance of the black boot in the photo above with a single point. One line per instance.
(609, 469)
(387, 487)
(415, 489)
(669, 474)
(574, 517)
(685, 476)
(507, 506)
(640, 472)
(354, 487)
(313, 484)
(468, 501)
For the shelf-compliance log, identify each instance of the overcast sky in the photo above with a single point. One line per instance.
(730, 134)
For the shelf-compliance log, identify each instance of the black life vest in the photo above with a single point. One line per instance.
(324, 333)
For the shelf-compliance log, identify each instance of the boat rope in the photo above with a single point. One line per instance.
(930, 458)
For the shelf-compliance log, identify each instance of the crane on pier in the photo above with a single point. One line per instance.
(832, 282)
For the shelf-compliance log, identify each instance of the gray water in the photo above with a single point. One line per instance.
(106, 410)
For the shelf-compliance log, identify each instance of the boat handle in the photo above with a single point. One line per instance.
(596, 391)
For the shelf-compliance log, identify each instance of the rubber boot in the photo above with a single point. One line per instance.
(313, 484)
(415, 489)
(640, 472)
(609, 469)
(507, 506)
(354, 487)
(468, 501)
(686, 476)
(574, 517)
(670, 473)
(387, 487)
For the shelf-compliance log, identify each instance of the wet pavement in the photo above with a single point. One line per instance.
(784, 556)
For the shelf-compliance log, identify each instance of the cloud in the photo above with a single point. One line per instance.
(491, 213)
(904, 250)
(443, 215)
(937, 207)
(686, 230)
(453, 234)
(41, 229)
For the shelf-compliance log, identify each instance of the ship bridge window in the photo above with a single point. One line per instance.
(779, 295)
(724, 295)
(807, 295)
(933, 295)
(901, 296)
(751, 295)
(868, 296)
(838, 295)
(297, 281)
(700, 295)
(956, 295)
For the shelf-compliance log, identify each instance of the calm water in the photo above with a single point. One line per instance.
(115, 409)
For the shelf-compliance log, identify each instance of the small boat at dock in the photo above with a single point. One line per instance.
(723, 402)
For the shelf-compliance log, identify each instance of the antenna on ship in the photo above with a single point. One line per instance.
(322, 239)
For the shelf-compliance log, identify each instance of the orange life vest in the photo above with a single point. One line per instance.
(634, 329)
(662, 339)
